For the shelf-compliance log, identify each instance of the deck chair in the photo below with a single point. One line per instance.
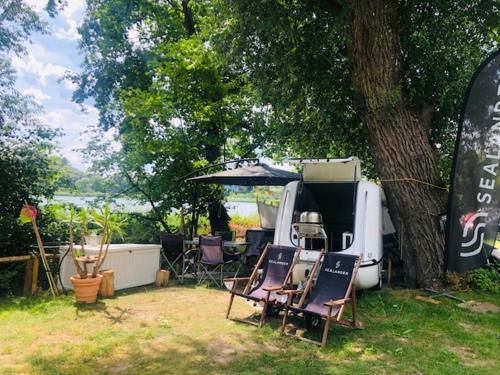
(333, 290)
(278, 263)
(172, 247)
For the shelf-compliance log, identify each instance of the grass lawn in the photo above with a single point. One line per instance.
(182, 330)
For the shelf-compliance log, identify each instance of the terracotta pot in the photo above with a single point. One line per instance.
(86, 289)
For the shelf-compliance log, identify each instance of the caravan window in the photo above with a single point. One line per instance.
(335, 201)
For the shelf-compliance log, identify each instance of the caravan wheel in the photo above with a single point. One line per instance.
(312, 322)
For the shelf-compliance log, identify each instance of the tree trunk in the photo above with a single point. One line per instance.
(399, 140)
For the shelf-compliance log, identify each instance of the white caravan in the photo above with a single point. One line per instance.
(332, 208)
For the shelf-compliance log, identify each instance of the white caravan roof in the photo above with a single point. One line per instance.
(330, 170)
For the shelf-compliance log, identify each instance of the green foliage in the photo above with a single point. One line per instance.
(296, 54)
(138, 229)
(176, 105)
(25, 145)
(486, 279)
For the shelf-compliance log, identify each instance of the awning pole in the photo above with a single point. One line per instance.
(193, 213)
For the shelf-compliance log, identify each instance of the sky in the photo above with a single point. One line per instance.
(39, 73)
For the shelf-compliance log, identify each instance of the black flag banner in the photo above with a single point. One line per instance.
(473, 211)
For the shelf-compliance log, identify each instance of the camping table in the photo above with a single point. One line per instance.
(190, 246)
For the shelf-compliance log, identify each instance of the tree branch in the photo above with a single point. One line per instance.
(188, 18)
(150, 200)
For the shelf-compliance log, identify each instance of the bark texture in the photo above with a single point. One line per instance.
(399, 139)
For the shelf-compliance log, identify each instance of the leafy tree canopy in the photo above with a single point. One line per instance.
(158, 81)
(297, 56)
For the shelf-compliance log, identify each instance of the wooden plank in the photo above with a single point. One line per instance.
(429, 300)
(34, 276)
(27, 278)
(16, 258)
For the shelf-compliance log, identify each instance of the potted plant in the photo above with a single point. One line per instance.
(87, 280)
(91, 228)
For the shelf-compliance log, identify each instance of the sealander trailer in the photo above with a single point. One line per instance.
(332, 208)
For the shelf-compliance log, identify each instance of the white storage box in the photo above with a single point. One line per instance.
(134, 264)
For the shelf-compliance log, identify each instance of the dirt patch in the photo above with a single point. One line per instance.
(469, 358)
(467, 327)
(480, 307)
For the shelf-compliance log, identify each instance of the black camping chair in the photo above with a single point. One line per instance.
(172, 247)
(257, 240)
(278, 263)
(333, 290)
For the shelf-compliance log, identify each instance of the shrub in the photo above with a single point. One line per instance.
(486, 279)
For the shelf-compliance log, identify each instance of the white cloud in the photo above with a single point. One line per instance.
(36, 5)
(43, 71)
(74, 122)
(37, 94)
(68, 33)
(73, 7)
(72, 14)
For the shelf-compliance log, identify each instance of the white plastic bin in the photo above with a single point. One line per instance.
(134, 264)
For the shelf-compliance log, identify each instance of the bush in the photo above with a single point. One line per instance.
(486, 279)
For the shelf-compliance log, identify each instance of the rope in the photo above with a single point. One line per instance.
(410, 179)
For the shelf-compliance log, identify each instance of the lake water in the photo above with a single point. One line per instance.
(130, 205)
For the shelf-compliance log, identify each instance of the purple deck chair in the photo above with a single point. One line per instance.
(212, 259)
(333, 290)
(278, 263)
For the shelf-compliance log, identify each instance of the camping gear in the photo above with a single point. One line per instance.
(310, 227)
(333, 290)
(351, 216)
(257, 239)
(278, 262)
(171, 250)
(253, 174)
(212, 260)
(474, 199)
(259, 174)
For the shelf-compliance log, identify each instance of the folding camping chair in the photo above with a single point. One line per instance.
(212, 260)
(333, 290)
(277, 271)
(172, 248)
(230, 257)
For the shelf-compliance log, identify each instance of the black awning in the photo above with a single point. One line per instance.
(253, 175)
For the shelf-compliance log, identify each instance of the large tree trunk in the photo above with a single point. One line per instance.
(398, 135)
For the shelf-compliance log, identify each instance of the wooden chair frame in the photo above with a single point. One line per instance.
(253, 278)
(350, 296)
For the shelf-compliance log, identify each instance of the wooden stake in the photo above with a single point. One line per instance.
(27, 277)
(34, 276)
(52, 283)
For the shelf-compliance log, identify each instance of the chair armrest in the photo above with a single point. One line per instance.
(291, 291)
(193, 249)
(272, 289)
(337, 302)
